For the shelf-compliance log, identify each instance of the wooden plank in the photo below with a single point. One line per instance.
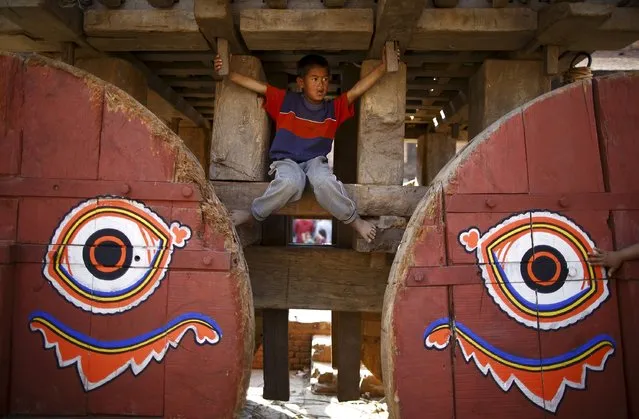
(167, 93)
(307, 29)
(161, 4)
(223, 52)
(579, 153)
(181, 69)
(215, 20)
(275, 341)
(551, 59)
(45, 20)
(348, 362)
(287, 277)
(334, 3)
(371, 200)
(474, 29)
(617, 124)
(395, 21)
(147, 29)
(276, 4)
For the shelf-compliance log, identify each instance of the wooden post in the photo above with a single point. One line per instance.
(334, 338)
(223, 52)
(240, 137)
(551, 59)
(349, 335)
(380, 148)
(392, 61)
(118, 72)
(499, 86)
(434, 150)
(68, 52)
(276, 383)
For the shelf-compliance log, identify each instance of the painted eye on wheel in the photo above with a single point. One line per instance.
(534, 266)
(109, 254)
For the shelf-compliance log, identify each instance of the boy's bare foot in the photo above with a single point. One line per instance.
(365, 229)
(240, 217)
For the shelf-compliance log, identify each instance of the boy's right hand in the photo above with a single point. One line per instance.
(217, 63)
(612, 260)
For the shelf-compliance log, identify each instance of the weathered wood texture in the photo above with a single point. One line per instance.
(501, 86)
(348, 361)
(118, 72)
(380, 146)
(319, 279)
(215, 20)
(442, 288)
(276, 383)
(307, 29)
(371, 200)
(461, 29)
(434, 151)
(395, 21)
(45, 20)
(241, 130)
(198, 141)
(197, 302)
(147, 29)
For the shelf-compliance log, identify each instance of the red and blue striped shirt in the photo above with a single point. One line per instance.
(304, 130)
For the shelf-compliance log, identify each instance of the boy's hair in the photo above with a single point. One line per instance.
(309, 61)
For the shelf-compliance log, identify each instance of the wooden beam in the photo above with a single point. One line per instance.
(307, 29)
(167, 93)
(395, 21)
(462, 71)
(111, 4)
(161, 4)
(474, 29)
(215, 20)
(333, 3)
(288, 277)
(551, 59)
(147, 29)
(68, 53)
(349, 336)
(275, 341)
(277, 4)
(224, 53)
(45, 20)
(390, 52)
(192, 82)
(619, 31)
(371, 200)
(177, 56)
(180, 69)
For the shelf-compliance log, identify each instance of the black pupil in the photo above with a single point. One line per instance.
(108, 253)
(544, 268)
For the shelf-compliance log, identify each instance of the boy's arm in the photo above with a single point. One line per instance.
(615, 259)
(369, 80)
(244, 81)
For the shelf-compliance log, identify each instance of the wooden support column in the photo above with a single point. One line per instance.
(349, 335)
(240, 136)
(118, 72)
(276, 383)
(434, 150)
(380, 148)
(499, 86)
(334, 338)
(197, 140)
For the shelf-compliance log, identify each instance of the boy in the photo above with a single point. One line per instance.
(613, 259)
(305, 128)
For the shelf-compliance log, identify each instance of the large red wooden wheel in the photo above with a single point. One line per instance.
(123, 289)
(491, 309)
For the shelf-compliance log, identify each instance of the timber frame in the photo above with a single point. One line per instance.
(442, 47)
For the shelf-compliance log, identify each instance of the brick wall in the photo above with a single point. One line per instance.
(299, 344)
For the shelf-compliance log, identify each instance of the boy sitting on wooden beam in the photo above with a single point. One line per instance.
(305, 127)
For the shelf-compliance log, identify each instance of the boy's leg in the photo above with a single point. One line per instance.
(330, 194)
(287, 186)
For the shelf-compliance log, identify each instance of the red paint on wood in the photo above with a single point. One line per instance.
(61, 124)
(202, 381)
(128, 394)
(471, 203)
(604, 396)
(443, 275)
(6, 315)
(429, 245)
(618, 123)
(478, 396)
(458, 223)
(423, 376)
(39, 218)
(8, 219)
(495, 166)
(202, 260)
(38, 385)
(130, 150)
(11, 98)
(561, 142)
(72, 188)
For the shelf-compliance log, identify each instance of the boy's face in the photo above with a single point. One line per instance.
(314, 84)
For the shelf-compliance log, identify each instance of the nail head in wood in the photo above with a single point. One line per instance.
(223, 52)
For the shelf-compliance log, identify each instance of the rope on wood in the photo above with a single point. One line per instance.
(574, 74)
